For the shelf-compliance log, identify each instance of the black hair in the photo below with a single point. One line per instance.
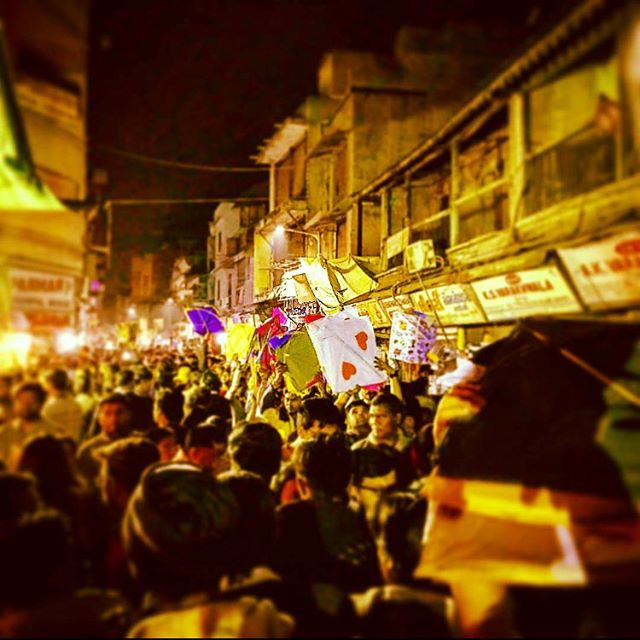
(158, 434)
(257, 524)
(127, 459)
(373, 462)
(325, 463)
(180, 529)
(36, 558)
(32, 387)
(58, 379)
(171, 404)
(399, 524)
(256, 446)
(116, 398)
(321, 410)
(207, 435)
(393, 403)
(18, 495)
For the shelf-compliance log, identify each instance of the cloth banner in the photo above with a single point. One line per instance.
(412, 336)
(346, 349)
(301, 359)
(239, 337)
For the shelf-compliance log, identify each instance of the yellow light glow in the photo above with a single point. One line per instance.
(221, 339)
(14, 350)
(67, 341)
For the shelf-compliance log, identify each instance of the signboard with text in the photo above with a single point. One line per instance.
(606, 273)
(44, 300)
(541, 291)
(455, 304)
(378, 315)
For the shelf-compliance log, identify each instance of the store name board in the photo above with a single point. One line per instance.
(455, 305)
(397, 303)
(606, 273)
(38, 291)
(541, 291)
(298, 310)
(378, 314)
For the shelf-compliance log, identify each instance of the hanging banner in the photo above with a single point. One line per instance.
(541, 291)
(455, 304)
(606, 273)
(297, 310)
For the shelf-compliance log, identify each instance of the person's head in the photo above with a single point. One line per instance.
(114, 416)
(256, 526)
(180, 530)
(166, 441)
(143, 379)
(209, 380)
(319, 415)
(168, 408)
(323, 466)
(375, 471)
(28, 400)
(399, 524)
(125, 379)
(122, 463)
(82, 381)
(385, 417)
(206, 443)
(36, 559)
(18, 496)
(5, 386)
(46, 457)
(57, 382)
(357, 417)
(292, 402)
(257, 447)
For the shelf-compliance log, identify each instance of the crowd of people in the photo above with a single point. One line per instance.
(159, 498)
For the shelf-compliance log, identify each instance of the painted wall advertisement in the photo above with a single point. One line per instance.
(606, 273)
(541, 291)
(41, 300)
(455, 304)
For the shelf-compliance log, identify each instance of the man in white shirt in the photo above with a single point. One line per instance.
(61, 408)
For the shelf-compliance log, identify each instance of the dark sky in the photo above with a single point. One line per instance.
(205, 81)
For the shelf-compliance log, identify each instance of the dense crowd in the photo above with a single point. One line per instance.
(160, 498)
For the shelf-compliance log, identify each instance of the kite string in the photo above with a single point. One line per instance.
(627, 394)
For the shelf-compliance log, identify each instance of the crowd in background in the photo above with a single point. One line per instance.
(160, 498)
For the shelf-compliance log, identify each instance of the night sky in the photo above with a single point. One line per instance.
(205, 81)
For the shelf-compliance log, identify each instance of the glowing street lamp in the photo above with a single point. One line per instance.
(280, 231)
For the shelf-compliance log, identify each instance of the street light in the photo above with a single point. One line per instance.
(280, 231)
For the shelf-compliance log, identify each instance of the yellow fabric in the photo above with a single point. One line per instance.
(511, 534)
(239, 338)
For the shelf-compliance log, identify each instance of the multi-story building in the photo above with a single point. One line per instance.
(527, 197)
(230, 256)
(42, 113)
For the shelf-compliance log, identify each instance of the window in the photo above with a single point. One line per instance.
(572, 126)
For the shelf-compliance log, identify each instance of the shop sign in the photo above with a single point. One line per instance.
(298, 310)
(378, 314)
(36, 290)
(361, 310)
(541, 291)
(397, 303)
(455, 304)
(606, 273)
(40, 300)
